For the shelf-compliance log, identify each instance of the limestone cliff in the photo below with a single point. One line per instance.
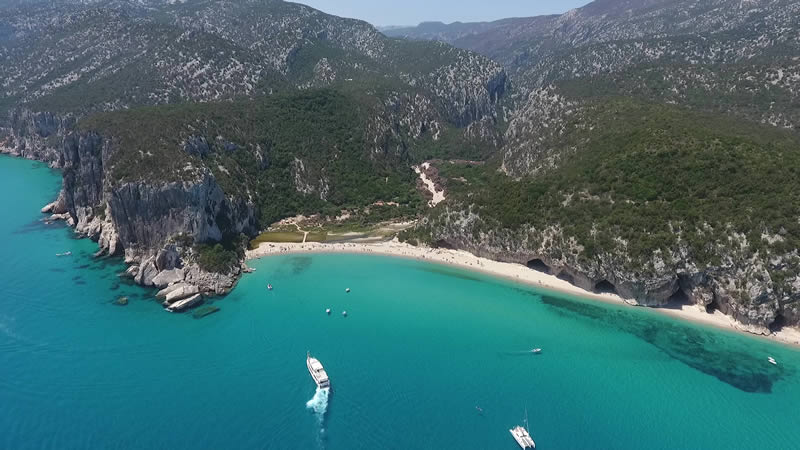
(739, 284)
(139, 219)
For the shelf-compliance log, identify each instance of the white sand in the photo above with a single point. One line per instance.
(516, 272)
(438, 196)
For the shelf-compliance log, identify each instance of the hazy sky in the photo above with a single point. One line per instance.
(411, 12)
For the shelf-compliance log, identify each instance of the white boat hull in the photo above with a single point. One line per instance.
(318, 373)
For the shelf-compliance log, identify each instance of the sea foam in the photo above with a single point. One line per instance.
(319, 403)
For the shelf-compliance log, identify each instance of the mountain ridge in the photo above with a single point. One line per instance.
(730, 62)
(127, 99)
(645, 145)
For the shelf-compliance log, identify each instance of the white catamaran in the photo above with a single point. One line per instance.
(522, 436)
(317, 372)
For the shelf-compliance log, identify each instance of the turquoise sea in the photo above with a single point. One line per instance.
(422, 348)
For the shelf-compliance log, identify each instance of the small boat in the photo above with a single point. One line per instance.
(64, 254)
(772, 361)
(347, 290)
(536, 350)
(317, 372)
(522, 436)
(480, 410)
(269, 286)
(328, 311)
(344, 313)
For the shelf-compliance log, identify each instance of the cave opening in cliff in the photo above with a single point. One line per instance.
(441, 243)
(712, 307)
(678, 299)
(564, 276)
(778, 323)
(605, 287)
(539, 266)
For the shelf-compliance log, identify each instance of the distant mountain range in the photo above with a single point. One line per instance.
(648, 147)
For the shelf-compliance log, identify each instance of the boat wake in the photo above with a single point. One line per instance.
(520, 353)
(319, 403)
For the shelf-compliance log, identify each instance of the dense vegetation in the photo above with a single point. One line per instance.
(652, 175)
(736, 89)
(296, 153)
(221, 257)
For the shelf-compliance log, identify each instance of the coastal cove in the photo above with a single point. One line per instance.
(429, 356)
(514, 272)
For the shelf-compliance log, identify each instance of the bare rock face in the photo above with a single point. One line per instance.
(35, 135)
(147, 215)
(168, 277)
(57, 207)
(162, 294)
(215, 283)
(132, 271)
(739, 285)
(147, 272)
(181, 292)
(141, 218)
(168, 258)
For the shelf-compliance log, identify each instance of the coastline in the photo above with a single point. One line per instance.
(509, 271)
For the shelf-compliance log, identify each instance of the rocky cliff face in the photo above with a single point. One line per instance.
(724, 58)
(69, 60)
(138, 219)
(739, 285)
(34, 135)
(148, 215)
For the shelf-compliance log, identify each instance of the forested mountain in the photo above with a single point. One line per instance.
(207, 119)
(649, 147)
(652, 146)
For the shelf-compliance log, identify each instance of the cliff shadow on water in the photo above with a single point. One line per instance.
(692, 346)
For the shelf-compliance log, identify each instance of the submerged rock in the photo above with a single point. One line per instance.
(122, 301)
(204, 311)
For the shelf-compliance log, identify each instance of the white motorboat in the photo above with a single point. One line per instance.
(317, 372)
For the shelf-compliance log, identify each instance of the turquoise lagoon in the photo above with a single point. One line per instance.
(423, 347)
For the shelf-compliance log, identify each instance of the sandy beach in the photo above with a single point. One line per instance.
(515, 272)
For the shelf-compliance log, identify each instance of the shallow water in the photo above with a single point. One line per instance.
(423, 345)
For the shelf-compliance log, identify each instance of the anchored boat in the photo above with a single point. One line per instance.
(317, 372)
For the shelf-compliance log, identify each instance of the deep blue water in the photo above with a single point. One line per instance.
(423, 345)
